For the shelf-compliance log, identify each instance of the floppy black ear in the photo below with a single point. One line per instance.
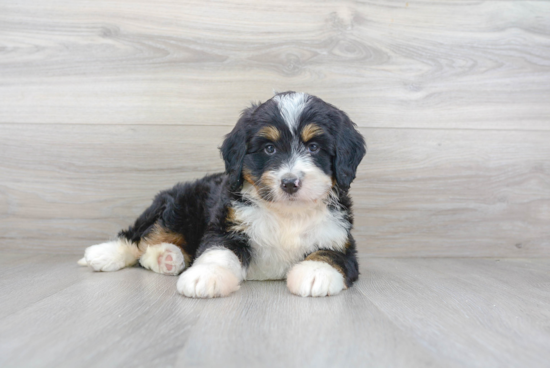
(234, 149)
(350, 150)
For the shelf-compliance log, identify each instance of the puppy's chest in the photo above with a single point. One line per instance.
(279, 240)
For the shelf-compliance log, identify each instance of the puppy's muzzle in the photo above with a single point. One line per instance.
(290, 184)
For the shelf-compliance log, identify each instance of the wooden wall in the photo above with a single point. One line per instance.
(104, 103)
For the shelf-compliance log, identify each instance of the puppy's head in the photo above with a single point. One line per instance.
(293, 148)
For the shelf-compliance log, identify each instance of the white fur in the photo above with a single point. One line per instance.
(156, 257)
(110, 256)
(216, 273)
(281, 235)
(291, 106)
(284, 230)
(315, 184)
(313, 278)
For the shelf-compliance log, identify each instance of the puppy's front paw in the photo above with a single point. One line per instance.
(207, 281)
(313, 278)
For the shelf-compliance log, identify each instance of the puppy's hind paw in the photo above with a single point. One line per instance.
(110, 256)
(314, 278)
(164, 258)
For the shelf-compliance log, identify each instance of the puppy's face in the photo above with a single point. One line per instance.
(293, 148)
(289, 156)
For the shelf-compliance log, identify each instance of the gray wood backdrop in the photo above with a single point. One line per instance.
(103, 103)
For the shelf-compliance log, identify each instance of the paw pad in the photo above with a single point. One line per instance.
(164, 258)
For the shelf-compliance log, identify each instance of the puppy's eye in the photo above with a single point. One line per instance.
(313, 147)
(270, 149)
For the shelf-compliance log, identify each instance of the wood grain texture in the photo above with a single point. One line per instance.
(419, 192)
(452, 64)
(473, 303)
(102, 105)
(32, 278)
(401, 313)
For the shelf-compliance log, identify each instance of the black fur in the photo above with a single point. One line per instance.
(350, 149)
(234, 149)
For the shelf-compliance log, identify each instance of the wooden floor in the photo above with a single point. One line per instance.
(402, 313)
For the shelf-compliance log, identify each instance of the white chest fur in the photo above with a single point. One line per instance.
(281, 237)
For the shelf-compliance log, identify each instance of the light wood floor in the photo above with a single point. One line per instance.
(402, 313)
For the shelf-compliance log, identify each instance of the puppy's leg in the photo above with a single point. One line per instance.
(111, 256)
(215, 273)
(164, 258)
(124, 252)
(323, 273)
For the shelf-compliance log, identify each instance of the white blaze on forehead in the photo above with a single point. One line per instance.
(297, 164)
(291, 106)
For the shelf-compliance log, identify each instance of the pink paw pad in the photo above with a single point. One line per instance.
(164, 258)
(169, 263)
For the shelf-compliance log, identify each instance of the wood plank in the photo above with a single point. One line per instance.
(29, 278)
(458, 64)
(418, 192)
(105, 319)
(423, 193)
(475, 312)
(263, 325)
(401, 313)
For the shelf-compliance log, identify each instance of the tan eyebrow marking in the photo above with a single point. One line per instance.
(310, 131)
(269, 132)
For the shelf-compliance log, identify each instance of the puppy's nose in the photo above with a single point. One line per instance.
(291, 184)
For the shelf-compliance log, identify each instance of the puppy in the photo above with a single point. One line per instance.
(280, 210)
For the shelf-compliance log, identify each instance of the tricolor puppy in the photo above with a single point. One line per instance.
(280, 210)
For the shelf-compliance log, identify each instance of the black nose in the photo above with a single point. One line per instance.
(290, 185)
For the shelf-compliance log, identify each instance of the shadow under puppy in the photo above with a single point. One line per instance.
(281, 209)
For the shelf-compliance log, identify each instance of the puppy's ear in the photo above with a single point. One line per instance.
(234, 149)
(350, 150)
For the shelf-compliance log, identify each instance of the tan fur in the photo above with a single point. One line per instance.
(234, 223)
(230, 218)
(270, 132)
(265, 184)
(310, 131)
(247, 175)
